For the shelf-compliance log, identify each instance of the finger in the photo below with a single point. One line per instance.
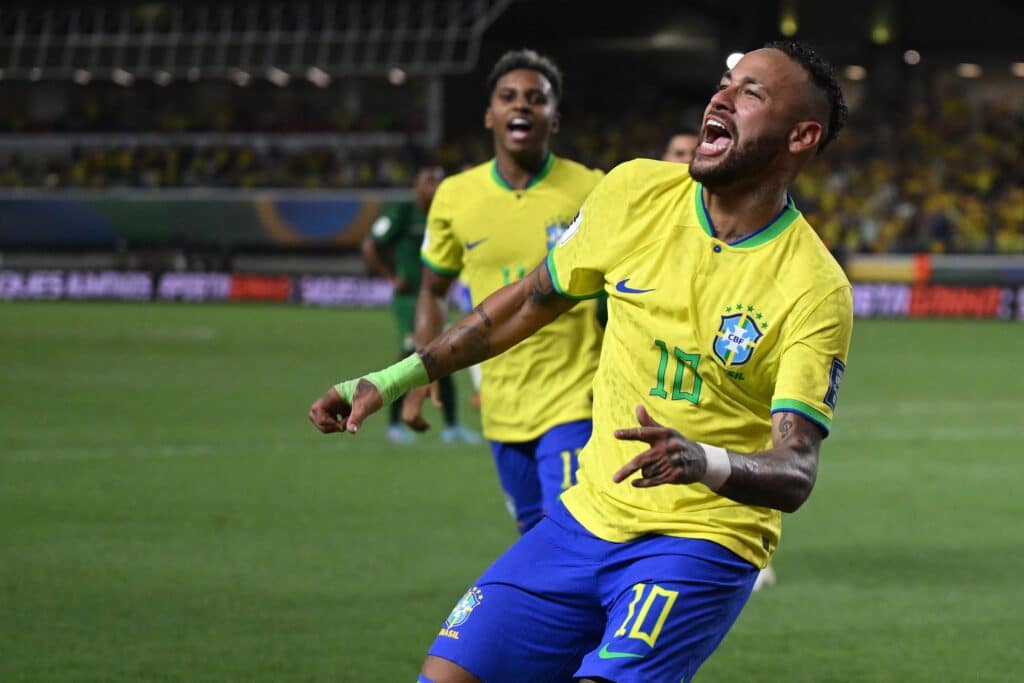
(648, 482)
(366, 402)
(648, 434)
(324, 423)
(435, 394)
(633, 465)
(644, 418)
(354, 420)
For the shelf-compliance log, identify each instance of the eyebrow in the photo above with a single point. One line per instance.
(749, 80)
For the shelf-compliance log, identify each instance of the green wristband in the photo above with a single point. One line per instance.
(391, 382)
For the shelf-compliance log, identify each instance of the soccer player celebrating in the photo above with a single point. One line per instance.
(492, 223)
(681, 146)
(729, 325)
(399, 228)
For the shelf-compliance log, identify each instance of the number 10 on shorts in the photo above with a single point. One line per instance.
(657, 601)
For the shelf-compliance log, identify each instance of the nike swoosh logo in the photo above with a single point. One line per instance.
(621, 286)
(605, 653)
(474, 245)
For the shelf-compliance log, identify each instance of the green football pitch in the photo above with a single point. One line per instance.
(167, 513)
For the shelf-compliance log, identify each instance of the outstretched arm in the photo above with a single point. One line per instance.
(781, 477)
(501, 321)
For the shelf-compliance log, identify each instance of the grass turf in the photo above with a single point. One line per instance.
(169, 515)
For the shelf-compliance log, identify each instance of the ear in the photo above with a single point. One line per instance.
(556, 122)
(805, 136)
(488, 118)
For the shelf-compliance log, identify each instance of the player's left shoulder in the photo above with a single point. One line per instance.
(573, 172)
(813, 275)
(806, 246)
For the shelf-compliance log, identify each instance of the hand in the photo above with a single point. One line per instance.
(671, 458)
(412, 406)
(331, 413)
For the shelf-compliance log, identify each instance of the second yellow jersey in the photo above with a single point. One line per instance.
(711, 337)
(494, 235)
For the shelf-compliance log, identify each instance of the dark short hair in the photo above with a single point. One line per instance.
(526, 59)
(824, 78)
(684, 130)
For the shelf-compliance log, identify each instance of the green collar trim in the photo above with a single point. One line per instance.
(760, 236)
(541, 174)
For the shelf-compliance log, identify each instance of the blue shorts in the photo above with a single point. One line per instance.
(563, 604)
(534, 473)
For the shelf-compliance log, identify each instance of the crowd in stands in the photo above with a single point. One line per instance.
(209, 106)
(948, 177)
(215, 166)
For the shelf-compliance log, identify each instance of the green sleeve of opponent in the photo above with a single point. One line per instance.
(391, 382)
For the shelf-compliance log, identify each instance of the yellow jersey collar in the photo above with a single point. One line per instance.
(763, 234)
(541, 174)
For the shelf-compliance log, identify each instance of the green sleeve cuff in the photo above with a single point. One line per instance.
(788, 405)
(440, 270)
(553, 274)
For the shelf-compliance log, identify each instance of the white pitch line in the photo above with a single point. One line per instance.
(911, 408)
(919, 433)
(59, 453)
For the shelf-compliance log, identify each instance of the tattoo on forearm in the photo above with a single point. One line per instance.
(541, 293)
(785, 427)
(463, 345)
(781, 477)
(483, 314)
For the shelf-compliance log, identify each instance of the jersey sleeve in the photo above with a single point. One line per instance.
(814, 360)
(389, 226)
(587, 249)
(441, 250)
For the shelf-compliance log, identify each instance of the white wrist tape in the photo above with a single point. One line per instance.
(718, 466)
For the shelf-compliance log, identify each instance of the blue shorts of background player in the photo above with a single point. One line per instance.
(563, 604)
(534, 473)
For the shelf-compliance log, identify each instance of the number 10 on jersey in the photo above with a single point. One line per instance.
(686, 382)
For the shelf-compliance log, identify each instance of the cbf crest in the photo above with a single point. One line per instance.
(473, 597)
(742, 327)
(554, 231)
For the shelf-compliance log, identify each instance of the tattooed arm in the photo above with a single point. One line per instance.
(781, 477)
(501, 321)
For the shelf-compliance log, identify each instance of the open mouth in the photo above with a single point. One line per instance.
(716, 140)
(519, 127)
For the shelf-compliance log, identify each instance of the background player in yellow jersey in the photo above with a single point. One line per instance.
(392, 250)
(728, 331)
(492, 223)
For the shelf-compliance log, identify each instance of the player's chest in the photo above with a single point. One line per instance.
(715, 310)
(512, 235)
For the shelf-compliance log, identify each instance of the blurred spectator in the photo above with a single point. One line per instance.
(943, 178)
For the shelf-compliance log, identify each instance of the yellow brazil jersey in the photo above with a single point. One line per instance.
(493, 235)
(711, 337)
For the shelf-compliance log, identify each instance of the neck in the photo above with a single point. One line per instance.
(519, 169)
(738, 211)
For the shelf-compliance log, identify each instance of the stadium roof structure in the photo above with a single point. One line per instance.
(119, 40)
